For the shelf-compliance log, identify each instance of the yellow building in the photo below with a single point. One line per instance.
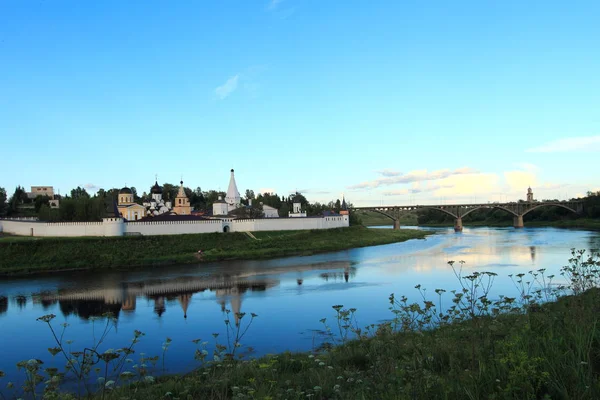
(127, 208)
(181, 206)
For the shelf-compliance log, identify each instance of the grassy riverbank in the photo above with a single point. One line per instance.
(525, 347)
(21, 256)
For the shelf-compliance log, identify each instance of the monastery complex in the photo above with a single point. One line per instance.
(158, 216)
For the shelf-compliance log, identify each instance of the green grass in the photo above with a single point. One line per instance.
(540, 344)
(21, 256)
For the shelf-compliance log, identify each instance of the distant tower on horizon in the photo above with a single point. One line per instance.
(529, 195)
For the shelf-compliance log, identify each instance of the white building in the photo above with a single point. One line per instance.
(156, 205)
(220, 207)
(297, 208)
(41, 191)
(44, 191)
(233, 198)
(270, 212)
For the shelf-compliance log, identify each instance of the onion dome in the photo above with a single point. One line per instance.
(156, 189)
(125, 190)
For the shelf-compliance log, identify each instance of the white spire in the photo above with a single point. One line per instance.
(233, 198)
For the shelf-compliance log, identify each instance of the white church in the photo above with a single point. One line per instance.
(233, 201)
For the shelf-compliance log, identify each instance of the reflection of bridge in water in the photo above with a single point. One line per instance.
(116, 297)
(459, 211)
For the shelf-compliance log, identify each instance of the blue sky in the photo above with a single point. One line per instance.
(387, 102)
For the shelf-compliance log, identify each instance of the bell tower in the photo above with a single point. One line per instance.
(182, 203)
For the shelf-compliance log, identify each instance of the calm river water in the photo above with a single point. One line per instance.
(290, 295)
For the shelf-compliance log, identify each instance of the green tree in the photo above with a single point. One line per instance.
(211, 196)
(136, 198)
(19, 197)
(250, 194)
(79, 193)
(48, 214)
(169, 192)
(67, 210)
(284, 210)
(197, 200)
(269, 199)
(3, 203)
(39, 201)
(254, 211)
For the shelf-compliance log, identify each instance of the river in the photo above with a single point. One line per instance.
(290, 295)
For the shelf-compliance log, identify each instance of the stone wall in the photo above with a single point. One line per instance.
(117, 227)
(173, 227)
(34, 228)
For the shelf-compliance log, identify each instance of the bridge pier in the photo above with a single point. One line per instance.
(458, 227)
(396, 224)
(518, 221)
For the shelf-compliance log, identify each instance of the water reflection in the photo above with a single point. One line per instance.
(116, 297)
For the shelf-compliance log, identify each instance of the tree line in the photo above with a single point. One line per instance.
(79, 205)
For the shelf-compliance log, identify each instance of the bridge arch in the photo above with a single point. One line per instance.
(440, 209)
(491, 207)
(550, 205)
(382, 213)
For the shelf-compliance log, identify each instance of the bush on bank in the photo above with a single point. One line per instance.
(18, 255)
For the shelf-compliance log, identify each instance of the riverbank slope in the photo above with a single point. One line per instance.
(19, 255)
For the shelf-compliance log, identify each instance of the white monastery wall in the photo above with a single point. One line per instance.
(33, 228)
(173, 227)
(289, 224)
(116, 226)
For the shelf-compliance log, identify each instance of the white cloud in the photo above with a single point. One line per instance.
(463, 185)
(91, 186)
(227, 88)
(266, 190)
(582, 143)
(311, 191)
(528, 167)
(402, 192)
(410, 177)
(273, 4)
(517, 180)
(389, 172)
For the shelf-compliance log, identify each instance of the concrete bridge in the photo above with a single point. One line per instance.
(458, 211)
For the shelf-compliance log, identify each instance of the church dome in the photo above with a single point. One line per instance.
(156, 189)
(125, 190)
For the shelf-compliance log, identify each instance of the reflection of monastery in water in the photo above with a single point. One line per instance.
(117, 298)
(123, 298)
